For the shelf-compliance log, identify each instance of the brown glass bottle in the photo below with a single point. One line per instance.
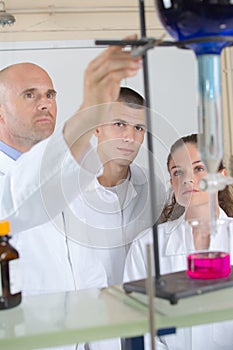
(10, 288)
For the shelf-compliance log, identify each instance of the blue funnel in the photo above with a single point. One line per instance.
(190, 19)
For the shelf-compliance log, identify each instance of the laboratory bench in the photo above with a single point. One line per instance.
(74, 317)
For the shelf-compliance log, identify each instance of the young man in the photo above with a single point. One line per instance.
(115, 207)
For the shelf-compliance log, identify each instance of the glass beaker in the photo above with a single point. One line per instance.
(209, 248)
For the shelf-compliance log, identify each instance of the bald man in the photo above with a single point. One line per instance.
(39, 172)
(28, 106)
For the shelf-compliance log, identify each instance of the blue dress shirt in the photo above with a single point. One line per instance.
(9, 151)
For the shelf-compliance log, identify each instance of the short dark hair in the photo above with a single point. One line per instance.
(130, 97)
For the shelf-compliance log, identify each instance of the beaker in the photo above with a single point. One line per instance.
(209, 248)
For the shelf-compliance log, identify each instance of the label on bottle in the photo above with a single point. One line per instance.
(15, 276)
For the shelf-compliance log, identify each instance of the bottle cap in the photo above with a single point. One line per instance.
(4, 228)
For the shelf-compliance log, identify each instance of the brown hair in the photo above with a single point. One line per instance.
(172, 210)
(130, 97)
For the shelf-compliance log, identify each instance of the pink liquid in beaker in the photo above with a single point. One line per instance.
(208, 265)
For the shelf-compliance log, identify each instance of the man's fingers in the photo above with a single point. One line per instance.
(104, 74)
(113, 60)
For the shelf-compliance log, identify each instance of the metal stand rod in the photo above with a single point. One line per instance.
(150, 43)
(152, 184)
(150, 286)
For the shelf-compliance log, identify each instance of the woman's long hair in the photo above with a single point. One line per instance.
(172, 210)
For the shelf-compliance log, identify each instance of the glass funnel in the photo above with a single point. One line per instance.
(198, 19)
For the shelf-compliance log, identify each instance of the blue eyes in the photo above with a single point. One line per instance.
(35, 95)
(51, 95)
(197, 169)
(29, 95)
(178, 173)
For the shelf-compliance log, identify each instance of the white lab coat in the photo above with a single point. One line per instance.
(33, 202)
(111, 226)
(173, 249)
(107, 220)
(32, 197)
(49, 261)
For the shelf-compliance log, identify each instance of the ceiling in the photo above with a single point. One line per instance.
(77, 19)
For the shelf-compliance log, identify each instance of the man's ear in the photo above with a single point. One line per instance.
(170, 181)
(96, 132)
(223, 171)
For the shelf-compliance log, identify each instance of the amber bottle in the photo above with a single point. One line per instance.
(10, 282)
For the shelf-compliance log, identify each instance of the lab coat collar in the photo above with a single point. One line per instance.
(175, 230)
(138, 177)
(6, 163)
(176, 243)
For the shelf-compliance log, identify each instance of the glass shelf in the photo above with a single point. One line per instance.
(72, 317)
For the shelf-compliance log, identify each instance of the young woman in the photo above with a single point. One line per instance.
(187, 202)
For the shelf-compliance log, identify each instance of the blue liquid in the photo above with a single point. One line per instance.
(189, 19)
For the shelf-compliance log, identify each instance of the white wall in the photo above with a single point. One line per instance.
(65, 63)
(172, 84)
(173, 95)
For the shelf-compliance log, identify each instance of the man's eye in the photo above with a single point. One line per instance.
(119, 124)
(51, 95)
(29, 95)
(139, 128)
